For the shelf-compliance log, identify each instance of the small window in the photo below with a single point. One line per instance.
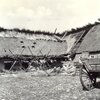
(33, 46)
(92, 56)
(23, 46)
(34, 42)
(21, 42)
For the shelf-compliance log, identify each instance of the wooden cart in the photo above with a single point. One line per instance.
(89, 71)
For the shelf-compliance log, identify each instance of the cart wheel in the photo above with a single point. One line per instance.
(86, 79)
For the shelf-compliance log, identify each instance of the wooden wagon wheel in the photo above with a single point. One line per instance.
(86, 78)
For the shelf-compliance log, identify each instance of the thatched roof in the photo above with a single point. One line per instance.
(91, 42)
(28, 47)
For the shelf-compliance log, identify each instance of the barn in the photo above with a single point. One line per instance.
(90, 45)
(18, 47)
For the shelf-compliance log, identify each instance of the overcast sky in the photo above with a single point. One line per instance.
(48, 14)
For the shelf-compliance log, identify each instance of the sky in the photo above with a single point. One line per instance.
(47, 15)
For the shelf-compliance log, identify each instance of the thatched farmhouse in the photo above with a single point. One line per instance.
(90, 45)
(15, 45)
(75, 37)
(80, 42)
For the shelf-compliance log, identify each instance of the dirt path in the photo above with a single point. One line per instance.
(26, 86)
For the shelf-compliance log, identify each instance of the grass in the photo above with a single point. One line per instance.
(27, 86)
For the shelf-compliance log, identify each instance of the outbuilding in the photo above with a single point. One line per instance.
(90, 45)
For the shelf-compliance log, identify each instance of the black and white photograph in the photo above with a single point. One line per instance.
(49, 49)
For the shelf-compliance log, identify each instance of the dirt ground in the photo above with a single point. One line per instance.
(29, 86)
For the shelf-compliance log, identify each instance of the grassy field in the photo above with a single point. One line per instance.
(27, 86)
